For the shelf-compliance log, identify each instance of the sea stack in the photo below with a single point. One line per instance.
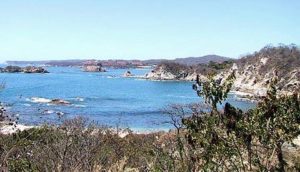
(93, 66)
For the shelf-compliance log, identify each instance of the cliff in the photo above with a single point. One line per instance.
(253, 72)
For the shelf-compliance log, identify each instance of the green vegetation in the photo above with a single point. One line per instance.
(234, 140)
(220, 66)
(203, 69)
(175, 68)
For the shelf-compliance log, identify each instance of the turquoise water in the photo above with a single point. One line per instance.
(105, 98)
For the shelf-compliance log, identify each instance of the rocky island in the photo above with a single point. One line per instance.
(27, 69)
(93, 66)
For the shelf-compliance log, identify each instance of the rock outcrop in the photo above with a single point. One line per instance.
(59, 102)
(254, 72)
(172, 71)
(27, 69)
(93, 66)
(128, 74)
(11, 69)
(33, 69)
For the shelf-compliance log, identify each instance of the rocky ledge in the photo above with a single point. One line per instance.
(27, 69)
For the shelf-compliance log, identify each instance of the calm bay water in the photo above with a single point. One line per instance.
(105, 98)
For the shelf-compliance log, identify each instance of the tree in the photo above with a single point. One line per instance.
(233, 140)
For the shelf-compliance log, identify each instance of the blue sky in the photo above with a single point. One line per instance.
(142, 29)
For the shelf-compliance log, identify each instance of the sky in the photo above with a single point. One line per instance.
(143, 29)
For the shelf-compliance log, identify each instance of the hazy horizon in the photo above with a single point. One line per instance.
(63, 30)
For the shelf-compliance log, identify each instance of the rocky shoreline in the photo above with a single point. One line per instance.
(249, 82)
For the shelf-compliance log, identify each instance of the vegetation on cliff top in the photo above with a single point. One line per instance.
(203, 69)
(283, 58)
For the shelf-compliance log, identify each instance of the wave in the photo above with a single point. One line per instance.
(48, 112)
(80, 106)
(40, 100)
(110, 99)
(112, 77)
(186, 97)
(140, 79)
(79, 99)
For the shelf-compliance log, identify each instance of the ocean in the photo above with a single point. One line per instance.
(104, 98)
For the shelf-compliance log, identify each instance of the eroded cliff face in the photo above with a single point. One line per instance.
(254, 73)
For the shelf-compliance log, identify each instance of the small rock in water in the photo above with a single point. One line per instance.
(48, 111)
(59, 114)
(60, 102)
(127, 74)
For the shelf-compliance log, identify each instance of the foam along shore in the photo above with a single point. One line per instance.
(10, 129)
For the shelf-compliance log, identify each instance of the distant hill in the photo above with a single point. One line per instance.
(126, 63)
(49, 62)
(201, 60)
(189, 61)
